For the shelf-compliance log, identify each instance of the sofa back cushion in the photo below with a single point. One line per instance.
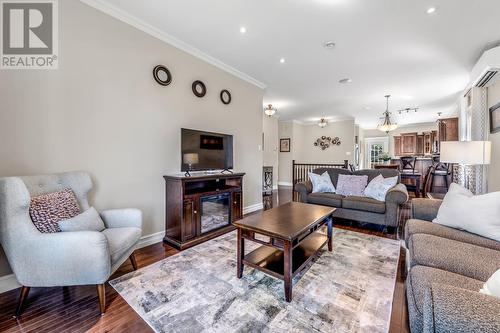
(372, 173)
(333, 172)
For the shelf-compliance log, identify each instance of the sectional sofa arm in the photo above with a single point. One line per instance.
(303, 188)
(120, 218)
(62, 259)
(398, 194)
(425, 209)
(452, 309)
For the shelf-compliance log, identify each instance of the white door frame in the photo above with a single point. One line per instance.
(384, 140)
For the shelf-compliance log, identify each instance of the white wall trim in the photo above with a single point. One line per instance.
(137, 23)
(253, 208)
(8, 282)
(285, 184)
(150, 239)
(275, 187)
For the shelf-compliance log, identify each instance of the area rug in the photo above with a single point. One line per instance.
(347, 290)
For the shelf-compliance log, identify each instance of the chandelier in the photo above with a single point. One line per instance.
(269, 110)
(387, 126)
(322, 123)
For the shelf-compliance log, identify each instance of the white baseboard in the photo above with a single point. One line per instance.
(285, 184)
(275, 187)
(150, 239)
(8, 282)
(253, 208)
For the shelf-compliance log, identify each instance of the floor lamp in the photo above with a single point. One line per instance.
(466, 154)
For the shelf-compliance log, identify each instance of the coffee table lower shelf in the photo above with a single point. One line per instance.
(271, 261)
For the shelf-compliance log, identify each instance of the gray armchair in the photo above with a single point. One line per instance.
(64, 258)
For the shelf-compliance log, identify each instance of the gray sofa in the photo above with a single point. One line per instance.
(447, 268)
(360, 209)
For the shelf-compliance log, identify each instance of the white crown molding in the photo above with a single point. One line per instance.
(137, 23)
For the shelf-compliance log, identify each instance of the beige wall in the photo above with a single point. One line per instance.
(101, 111)
(419, 128)
(303, 150)
(271, 148)
(493, 173)
(285, 130)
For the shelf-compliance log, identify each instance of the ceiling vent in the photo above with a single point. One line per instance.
(488, 78)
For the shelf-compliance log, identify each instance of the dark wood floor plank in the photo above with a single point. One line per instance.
(76, 309)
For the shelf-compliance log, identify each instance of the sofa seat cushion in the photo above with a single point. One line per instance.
(325, 199)
(421, 278)
(364, 204)
(120, 240)
(465, 259)
(415, 226)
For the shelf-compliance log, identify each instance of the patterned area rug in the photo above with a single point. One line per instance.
(347, 290)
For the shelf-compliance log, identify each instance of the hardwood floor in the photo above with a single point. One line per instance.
(76, 309)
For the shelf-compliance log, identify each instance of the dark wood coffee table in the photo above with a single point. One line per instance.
(290, 238)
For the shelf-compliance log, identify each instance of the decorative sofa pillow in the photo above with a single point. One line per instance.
(479, 214)
(48, 209)
(321, 183)
(379, 186)
(492, 286)
(89, 220)
(349, 185)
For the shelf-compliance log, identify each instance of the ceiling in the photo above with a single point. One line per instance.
(385, 47)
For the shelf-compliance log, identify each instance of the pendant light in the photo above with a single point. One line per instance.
(269, 110)
(322, 123)
(387, 126)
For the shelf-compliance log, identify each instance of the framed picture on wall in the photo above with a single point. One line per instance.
(495, 118)
(285, 145)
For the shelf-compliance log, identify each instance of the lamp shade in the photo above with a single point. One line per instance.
(191, 158)
(466, 152)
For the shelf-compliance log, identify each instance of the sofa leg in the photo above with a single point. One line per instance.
(101, 292)
(22, 298)
(132, 260)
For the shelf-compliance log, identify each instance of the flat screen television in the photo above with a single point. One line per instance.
(205, 150)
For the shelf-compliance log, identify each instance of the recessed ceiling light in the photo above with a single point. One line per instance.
(243, 30)
(431, 10)
(329, 45)
(346, 80)
(282, 60)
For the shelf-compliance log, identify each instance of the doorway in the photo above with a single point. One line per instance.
(374, 148)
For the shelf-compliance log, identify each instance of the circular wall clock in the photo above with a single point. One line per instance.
(199, 89)
(162, 75)
(225, 96)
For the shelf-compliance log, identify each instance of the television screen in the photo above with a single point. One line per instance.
(205, 150)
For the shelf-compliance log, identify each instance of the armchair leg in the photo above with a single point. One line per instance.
(22, 298)
(132, 260)
(101, 292)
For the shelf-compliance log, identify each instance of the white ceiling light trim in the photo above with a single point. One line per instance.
(137, 23)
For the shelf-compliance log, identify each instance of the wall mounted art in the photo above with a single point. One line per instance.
(162, 75)
(225, 96)
(285, 145)
(326, 141)
(199, 89)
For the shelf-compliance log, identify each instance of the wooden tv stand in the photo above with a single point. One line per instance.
(186, 222)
